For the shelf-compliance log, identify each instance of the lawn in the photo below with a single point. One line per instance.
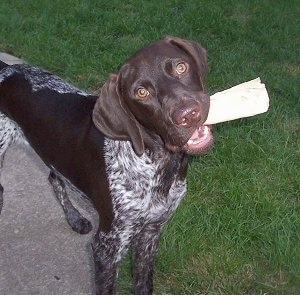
(238, 229)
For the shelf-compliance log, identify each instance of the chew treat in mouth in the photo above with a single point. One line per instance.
(243, 100)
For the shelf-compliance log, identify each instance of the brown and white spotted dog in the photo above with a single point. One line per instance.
(125, 150)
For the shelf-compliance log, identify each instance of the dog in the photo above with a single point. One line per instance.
(126, 149)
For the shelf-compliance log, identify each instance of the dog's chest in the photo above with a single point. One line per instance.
(137, 184)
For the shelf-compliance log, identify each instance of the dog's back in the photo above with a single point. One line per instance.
(2, 65)
(54, 117)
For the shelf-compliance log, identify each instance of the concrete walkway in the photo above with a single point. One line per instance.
(10, 59)
(39, 252)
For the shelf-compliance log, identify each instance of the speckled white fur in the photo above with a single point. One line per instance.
(6, 73)
(9, 133)
(134, 185)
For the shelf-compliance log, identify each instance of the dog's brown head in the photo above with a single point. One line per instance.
(157, 97)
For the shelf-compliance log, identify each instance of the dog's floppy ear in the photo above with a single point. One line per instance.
(112, 117)
(194, 49)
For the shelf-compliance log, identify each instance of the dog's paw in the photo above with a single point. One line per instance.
(79, 223)
(82, 226)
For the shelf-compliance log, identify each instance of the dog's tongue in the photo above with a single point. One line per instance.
(195, 136)
(200, 141)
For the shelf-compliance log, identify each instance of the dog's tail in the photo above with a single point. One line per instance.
(3, 65)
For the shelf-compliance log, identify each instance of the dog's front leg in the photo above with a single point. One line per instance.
(108, 249)
(144, 249)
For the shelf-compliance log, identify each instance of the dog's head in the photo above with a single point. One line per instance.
(157, 97)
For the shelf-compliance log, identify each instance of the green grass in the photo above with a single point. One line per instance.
(238, 230)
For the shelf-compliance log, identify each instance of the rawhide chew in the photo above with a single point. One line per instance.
(243, 100)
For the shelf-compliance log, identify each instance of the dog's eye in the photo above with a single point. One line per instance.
(142, 93)
(181, 68)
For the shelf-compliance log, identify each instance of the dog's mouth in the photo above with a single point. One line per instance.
(200, 141)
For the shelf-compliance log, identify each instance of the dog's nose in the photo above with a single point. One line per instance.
(187, 116)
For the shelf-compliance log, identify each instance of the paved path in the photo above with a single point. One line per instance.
(39, 252)
(9, 59)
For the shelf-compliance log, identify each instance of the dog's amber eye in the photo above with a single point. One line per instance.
(142, 93)
(181, 68)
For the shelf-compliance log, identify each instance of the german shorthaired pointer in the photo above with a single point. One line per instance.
(125, 150)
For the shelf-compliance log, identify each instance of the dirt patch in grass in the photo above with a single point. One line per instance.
(292, 69)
